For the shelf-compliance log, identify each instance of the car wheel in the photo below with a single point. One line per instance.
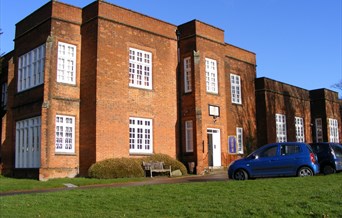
(240, 175)
(327, 169)
(304, 171)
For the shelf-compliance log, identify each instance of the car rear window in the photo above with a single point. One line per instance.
(337, 150)
(289, 149)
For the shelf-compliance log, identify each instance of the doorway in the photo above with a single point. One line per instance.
(214, 147)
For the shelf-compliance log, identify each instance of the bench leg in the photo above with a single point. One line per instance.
(151, 173)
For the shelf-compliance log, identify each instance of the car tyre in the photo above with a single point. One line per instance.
(304, 171)
(240, 175)
(328, 169)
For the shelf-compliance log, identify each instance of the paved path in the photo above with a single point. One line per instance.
(220, 175)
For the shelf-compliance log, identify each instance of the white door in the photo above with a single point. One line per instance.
(214, 147)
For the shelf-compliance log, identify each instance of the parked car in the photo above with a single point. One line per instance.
(277, 159)
(329, 156)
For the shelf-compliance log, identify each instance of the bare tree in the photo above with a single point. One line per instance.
(338, 86)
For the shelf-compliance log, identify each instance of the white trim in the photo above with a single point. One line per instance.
(239, 140)
(66, 63)
(235, 86)
(211, 76)
(65, 134)
(140, 136)
(281, 128)
(140, 69)
(299, 125)
(319, 129)
(333, 127)
(187, 75)
(31, 69)
(27, 143)
(189, 136)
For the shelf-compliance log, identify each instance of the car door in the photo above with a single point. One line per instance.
(289, 159)
(264, 163)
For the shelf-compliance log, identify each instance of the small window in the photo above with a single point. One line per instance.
(66, 63)
(187, 75)
(319, 130)
(239, 137)
(140, 69)
(65, 134)
(235, 83)
(140, 136)
(269, 152)
(189, 138)
(289, 149)
(211, 76)
(281, 128)
(333, 127)
(31, 69)
(4, 95)
(299, 125)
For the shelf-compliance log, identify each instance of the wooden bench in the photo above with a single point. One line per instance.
(158, 167)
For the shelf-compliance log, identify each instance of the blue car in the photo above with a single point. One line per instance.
(273, 160)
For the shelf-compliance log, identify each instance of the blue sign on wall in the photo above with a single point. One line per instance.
(232, 144)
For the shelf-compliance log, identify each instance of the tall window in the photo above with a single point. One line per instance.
(189, 136)
(319, 130)
(239, 138)
(333, 127)
(140, 69)
(140, 136)
(66, 64)
(4, 95)
(27, 143)
(187, 75)
(235, 84)
(31, 69)
(281, 128)
(299, 125)
(65, 134)
(211, 75)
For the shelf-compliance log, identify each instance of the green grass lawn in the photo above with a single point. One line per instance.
(318, 196)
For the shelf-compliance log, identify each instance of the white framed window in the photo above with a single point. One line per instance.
(66, 63)
(239, 138)
(140, 136)
(27, 143)
(281, 128)
(319, 129)
(299, 125)
(31, 69)
(211, 75)
(235, 84)
(140, 69)
(333, 127)
(187, 75)
(189, 136)
(4, 95)
(65, 134)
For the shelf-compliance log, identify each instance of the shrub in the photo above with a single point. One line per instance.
(175, 164)
(116, 168)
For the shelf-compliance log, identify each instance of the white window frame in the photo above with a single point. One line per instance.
(4, 89)
(333, 128)
(211, 76)
(140, 69)
(66, 63)
(281, 128)
(140, 136)
(187, 75)
(189, 136)
(31, 69)
(299, 125)
(27, 143)
(319, 129)
(235, 86)
(65, 134)
(239, 140)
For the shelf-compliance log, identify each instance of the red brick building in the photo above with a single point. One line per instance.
(87, 84)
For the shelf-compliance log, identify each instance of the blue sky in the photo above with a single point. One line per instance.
(298, 42)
